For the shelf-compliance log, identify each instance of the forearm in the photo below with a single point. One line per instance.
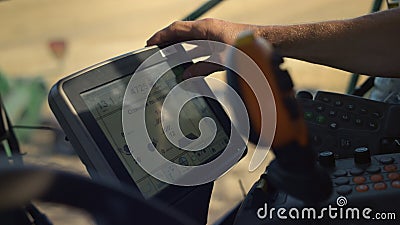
(368, 45)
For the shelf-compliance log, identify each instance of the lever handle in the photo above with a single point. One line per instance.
(294, 169)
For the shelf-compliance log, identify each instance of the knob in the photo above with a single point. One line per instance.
(304, 95)
(326, 159)
(362, 156)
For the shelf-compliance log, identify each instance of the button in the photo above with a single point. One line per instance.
(362, 188)
(332, 113)
(390, 168)
(308, 115)
(386, 160)
(345, 143)
(373, 125)
(376, 178)
(373, 169)
(344, 190)
(340, 173)
(319, 108)
(358, 121)
(345, 117)
(380, 186)
(359, 180)
(377, 114)
(341, 181)
(363, 111)
(356, 171)
(338, 103)
(396, 184)
(320, 119)
(394, 176)
(333, 125)
(350, 107)
(326, 159)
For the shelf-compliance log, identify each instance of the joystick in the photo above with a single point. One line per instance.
(295, 162)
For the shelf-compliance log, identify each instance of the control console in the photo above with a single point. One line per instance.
(356, 142)
(366, 190)
(369, 180)
(340, 123)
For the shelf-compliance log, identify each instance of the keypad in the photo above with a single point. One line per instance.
(382, 175)
(345, 122)
(342, 115)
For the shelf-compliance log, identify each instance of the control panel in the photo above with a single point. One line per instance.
(356, 142)
(341, 123)
(364, 175)
(361, 184)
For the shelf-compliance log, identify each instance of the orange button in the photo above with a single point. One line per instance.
(376, 178)
(396, 184)
(359, 180)
(362, 188)
(380, 186)
(390, 168)
(394, 176)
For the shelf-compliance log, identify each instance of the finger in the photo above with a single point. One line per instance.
(157, 38)
(201, 69)
(176, 32)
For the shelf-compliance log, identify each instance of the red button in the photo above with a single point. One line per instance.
(390, 168)
(376, 178)
(359, 180)
(394, 176)
(362, 188)
(396, 184)
(380, 186)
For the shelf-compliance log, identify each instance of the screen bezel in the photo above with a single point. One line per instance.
(105, 73)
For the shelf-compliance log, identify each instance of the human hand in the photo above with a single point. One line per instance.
(205, 29)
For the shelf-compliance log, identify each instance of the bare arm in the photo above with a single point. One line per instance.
(368, 45)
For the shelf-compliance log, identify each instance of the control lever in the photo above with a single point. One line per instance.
(294, 170)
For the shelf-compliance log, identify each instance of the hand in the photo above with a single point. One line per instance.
(205, 29)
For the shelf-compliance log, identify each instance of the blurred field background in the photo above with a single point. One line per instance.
(95, 30)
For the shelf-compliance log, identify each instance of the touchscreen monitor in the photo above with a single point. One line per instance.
(105, 104)
(89, 106)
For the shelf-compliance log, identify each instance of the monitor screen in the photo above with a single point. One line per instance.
(105, 104)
